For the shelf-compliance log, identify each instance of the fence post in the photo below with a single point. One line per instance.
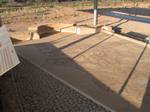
(95, 12)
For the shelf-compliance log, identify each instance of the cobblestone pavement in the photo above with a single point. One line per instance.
(26, 88)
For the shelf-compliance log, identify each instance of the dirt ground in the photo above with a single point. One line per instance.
(129, 20)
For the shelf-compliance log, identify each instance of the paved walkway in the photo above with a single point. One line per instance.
(26, 88)
(102, 66)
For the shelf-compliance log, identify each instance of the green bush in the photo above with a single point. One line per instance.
(2, 2)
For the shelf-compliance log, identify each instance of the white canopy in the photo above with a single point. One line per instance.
(8, 56)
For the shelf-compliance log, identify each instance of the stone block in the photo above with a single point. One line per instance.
(107, 28)
(35, 36)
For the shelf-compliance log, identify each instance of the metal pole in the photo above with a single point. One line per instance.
(95, 12)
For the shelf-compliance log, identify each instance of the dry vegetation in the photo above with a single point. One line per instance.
(18, 19)
(38, 11)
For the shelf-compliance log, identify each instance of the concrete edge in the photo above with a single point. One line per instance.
(69, 85)
(126, 38)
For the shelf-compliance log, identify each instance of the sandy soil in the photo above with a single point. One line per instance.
(128, 24)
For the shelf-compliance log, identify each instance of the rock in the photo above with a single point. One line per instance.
(107, 28)
(147, 39)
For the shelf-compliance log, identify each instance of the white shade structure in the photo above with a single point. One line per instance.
(8, 56)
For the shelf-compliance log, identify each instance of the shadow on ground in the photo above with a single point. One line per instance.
(28, 88)
(134, 14)
(136, 36)
(146, 99)
(45, 30)
(15, 41)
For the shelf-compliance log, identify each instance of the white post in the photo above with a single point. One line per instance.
(95, 12)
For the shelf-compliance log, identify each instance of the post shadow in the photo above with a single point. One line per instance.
(132, 70)
(133, 13)
(92, 46)
(75, 42)
(146, 99)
